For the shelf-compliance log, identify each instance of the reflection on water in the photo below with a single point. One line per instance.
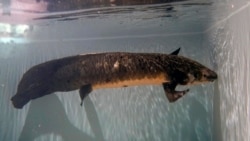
(39, 6)
(164, 11)
(64, 5)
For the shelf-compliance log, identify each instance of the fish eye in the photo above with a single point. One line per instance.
(197, 75)
(204, 75)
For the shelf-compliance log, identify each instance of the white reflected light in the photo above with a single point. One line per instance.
(10, 33)
(5, 28)
(22, 29)
(16, 40)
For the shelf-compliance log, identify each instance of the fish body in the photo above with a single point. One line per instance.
(111, 70)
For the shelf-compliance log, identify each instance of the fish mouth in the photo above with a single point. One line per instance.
(212, 77)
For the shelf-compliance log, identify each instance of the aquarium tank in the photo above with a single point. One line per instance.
(215, 33)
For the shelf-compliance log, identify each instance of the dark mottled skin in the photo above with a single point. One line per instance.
(74, 72)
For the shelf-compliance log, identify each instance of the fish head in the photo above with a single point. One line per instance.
(189, 72)
(201, 76)
(34, 83)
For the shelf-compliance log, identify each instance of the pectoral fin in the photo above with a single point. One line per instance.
(170, 92)
(84, 91)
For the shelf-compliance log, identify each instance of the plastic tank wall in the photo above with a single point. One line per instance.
(230, 38)
(215, 36)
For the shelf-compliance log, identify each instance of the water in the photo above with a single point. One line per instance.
(213, 33)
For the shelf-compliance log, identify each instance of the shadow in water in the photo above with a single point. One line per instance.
(47, 115)
(216, 114)
(193, 126)
(198, 116)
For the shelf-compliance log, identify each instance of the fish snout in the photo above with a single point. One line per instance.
(211, 76)
(19, 101)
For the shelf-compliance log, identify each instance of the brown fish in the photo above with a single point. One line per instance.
(111, 70)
